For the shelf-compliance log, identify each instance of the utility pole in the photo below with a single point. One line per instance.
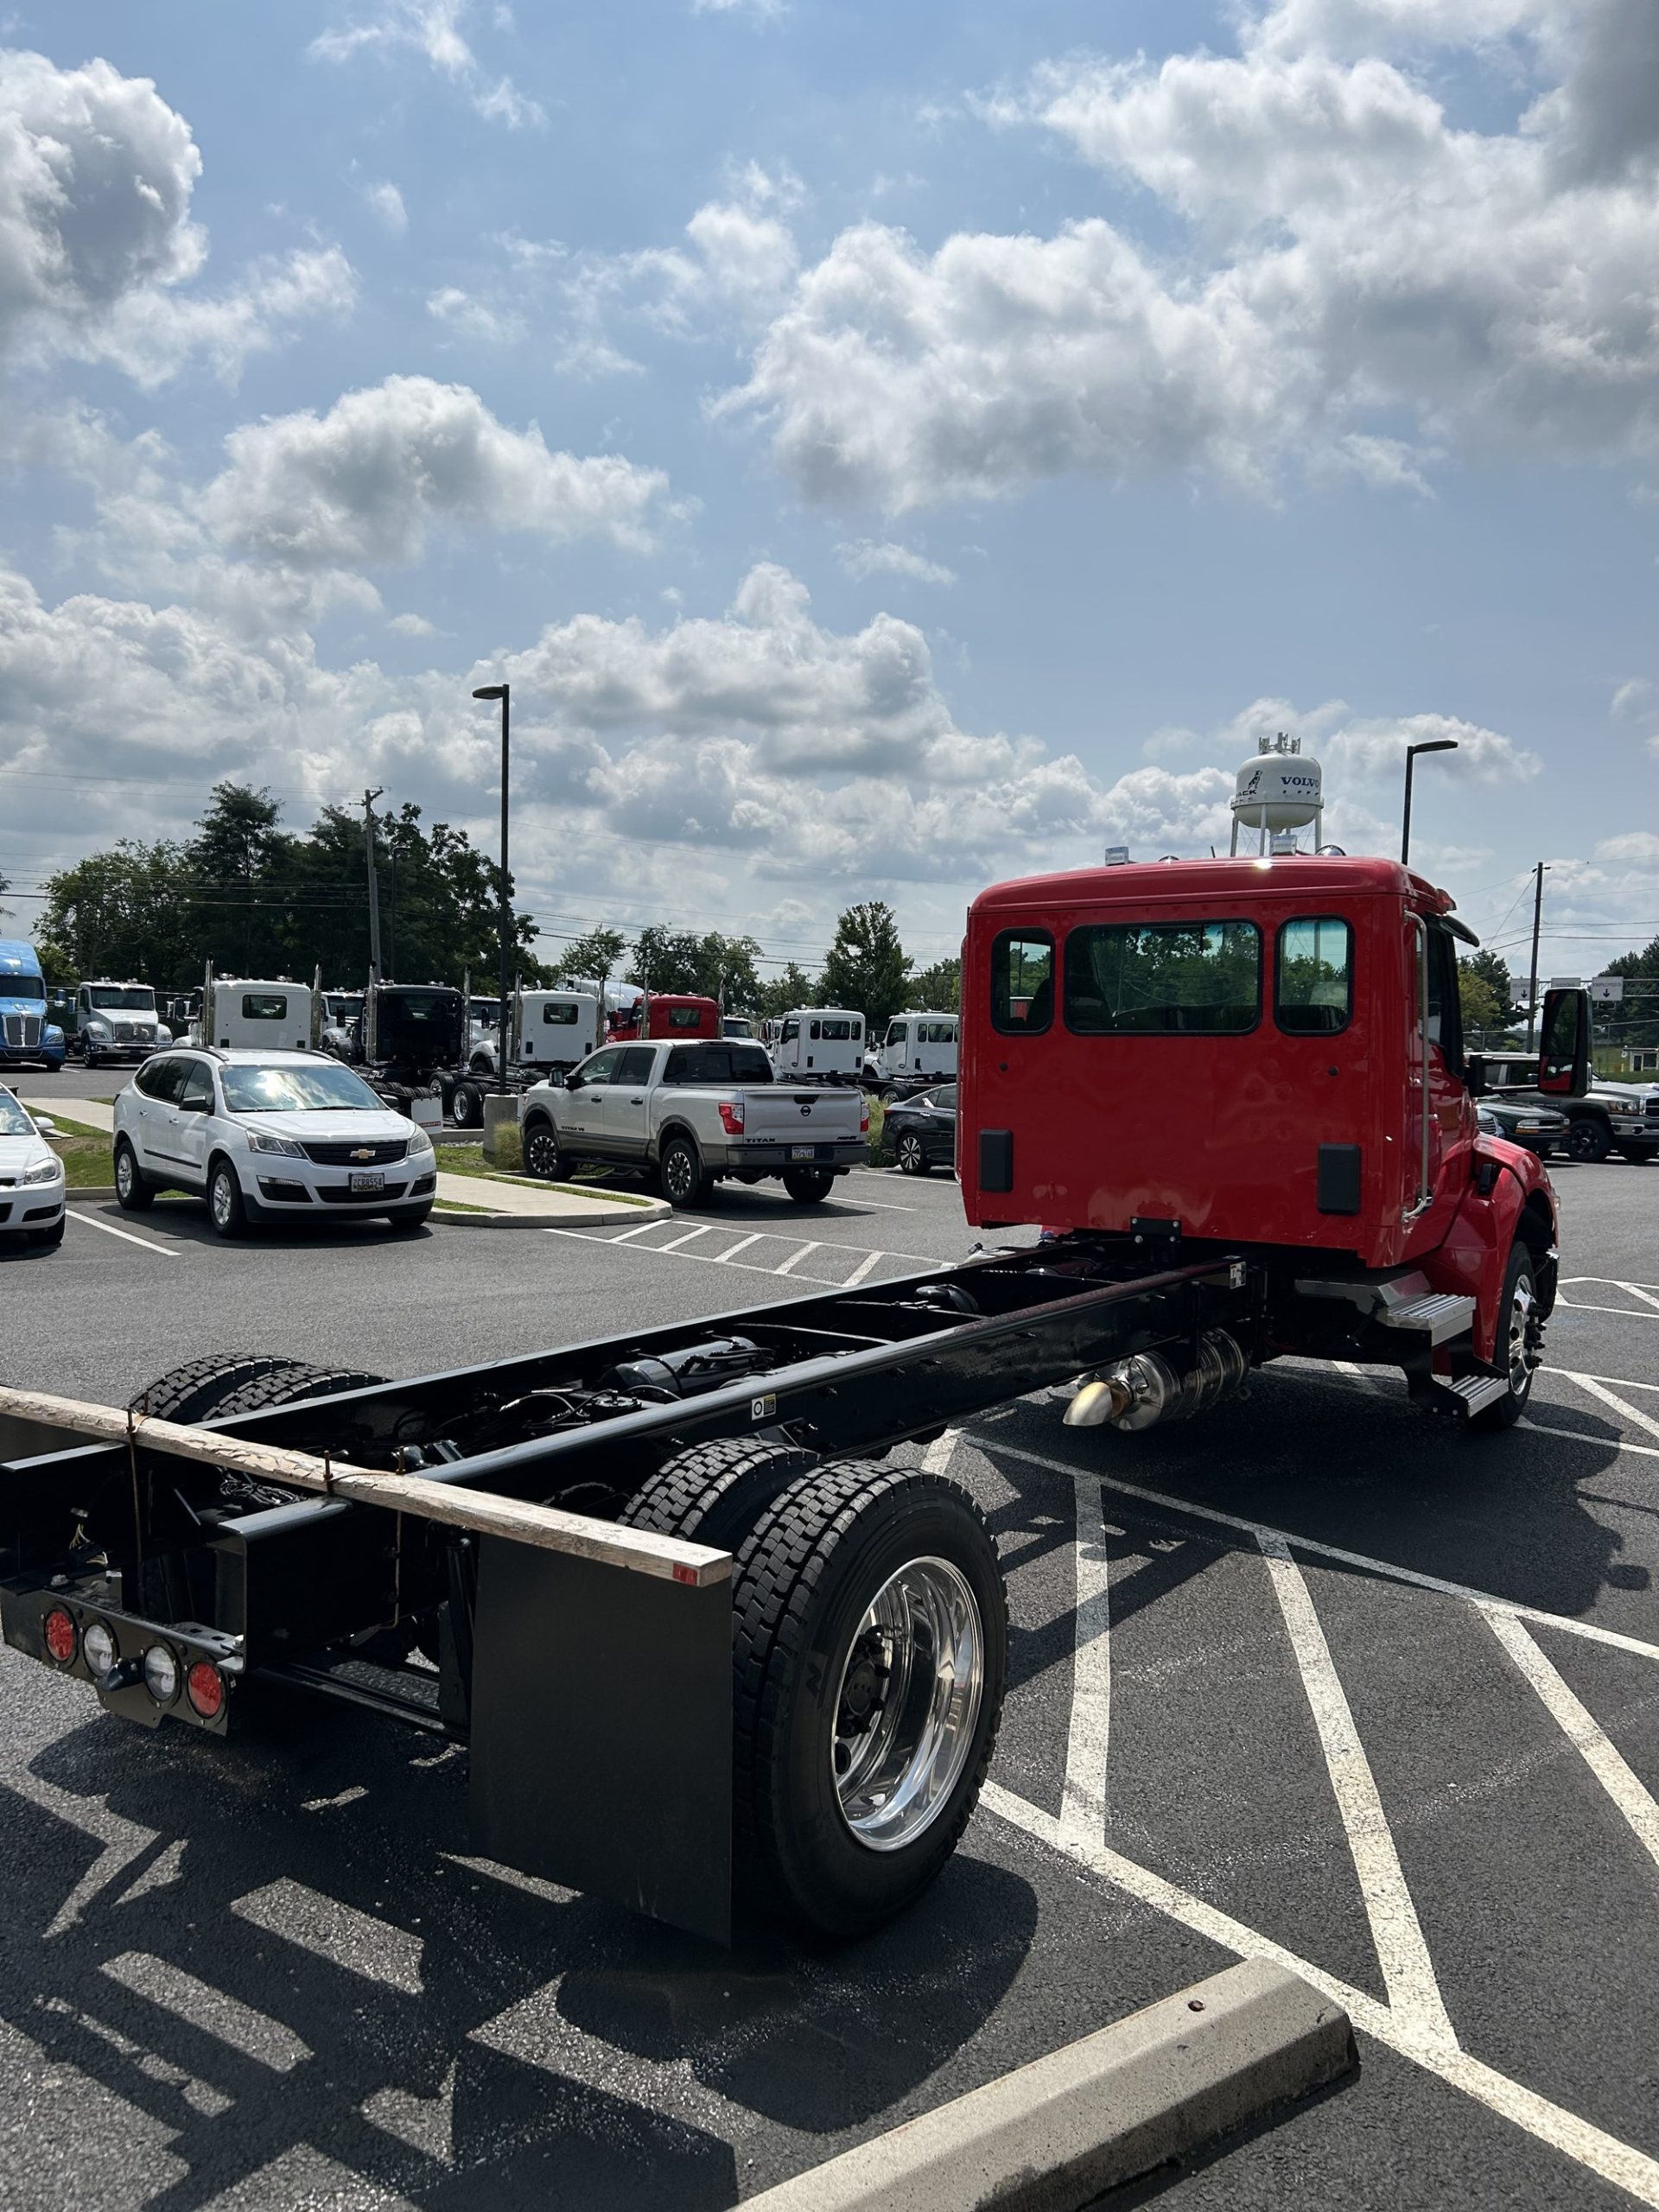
(503, 693)
(369, 797)
(1537, 925)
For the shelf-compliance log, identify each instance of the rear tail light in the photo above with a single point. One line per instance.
(731, 1115)
(160, 1673)
(62, 1637)
(205, 1687)
(864, 1119)
(98, 1648)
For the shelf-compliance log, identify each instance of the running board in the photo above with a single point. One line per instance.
(1439, 1315)
(1471, 1395)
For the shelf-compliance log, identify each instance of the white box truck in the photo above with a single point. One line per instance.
(821, 1041)
(258, 1011)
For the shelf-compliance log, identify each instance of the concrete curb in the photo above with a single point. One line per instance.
(1051, 2136)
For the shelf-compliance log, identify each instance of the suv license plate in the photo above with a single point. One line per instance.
(803, 1152)
(365, 1186)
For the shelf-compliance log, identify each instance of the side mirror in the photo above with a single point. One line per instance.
(556, 1076)
(1564, 1061)
(46, 1128)
(571, 1082)
(1474, 1075)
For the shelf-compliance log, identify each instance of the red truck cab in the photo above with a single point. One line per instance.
(1263, 1054)
(679, 1015)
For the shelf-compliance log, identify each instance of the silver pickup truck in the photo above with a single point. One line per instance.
(697, 1112)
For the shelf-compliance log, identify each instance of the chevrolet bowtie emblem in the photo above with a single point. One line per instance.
(363, 1152)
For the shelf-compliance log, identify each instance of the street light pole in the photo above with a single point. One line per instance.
(1430, 744)
(502, 692)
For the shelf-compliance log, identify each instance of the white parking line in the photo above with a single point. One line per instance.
(656, 1221)
(1583, 1436)
(689, 1237)
(1083, 1803)
(1396, 1932)
(789, 1266)
(166, 1251)
(866, 1265)
(1619, 1405)
(1590, 1630)
(1620, 2163)
(742, 1245)
(1586, 1735)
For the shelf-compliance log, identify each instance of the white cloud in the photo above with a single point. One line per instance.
(1346, 259)
(432, 29)
(474, 318)
(386, 202)
(865, 558)
(759, 11)
(1636, 701)
(96, 240)
(412, 626)
(363, 483)
(1636, 848)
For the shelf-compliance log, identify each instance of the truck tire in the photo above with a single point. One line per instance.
(230, 1382)
(1514, 1326)
(542, 1154)
(715, 1493)
(1588, 1140)
(808, 1186)
(854, 1771)
(467, 1105)
(686, 1182)
(133, 1192)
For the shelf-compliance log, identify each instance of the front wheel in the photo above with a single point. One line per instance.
(226, 1208)
(808, 1186)
(870, 1651)
(132, 1193)
(912, 1156)
(684, 1183)
(543, 1157)
(466, 1106)
(1588, 1141)
(1519, 1336)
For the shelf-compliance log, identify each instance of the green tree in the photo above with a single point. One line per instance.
(867, 967)
(118, 913)
(666, 960)
(1635, 1020)
(591, 959)
(1494, 973)
(725, 965)
(1483, 1009)
(782, 994)
(937, 989)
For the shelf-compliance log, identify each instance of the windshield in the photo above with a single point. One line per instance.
(296, 1090)
(343, 1009)
(13, 986)
(132, 995)
(13, 1122)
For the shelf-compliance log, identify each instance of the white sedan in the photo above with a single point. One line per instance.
(31, 1177)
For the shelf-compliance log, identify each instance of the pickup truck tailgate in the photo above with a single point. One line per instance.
(811, 1114)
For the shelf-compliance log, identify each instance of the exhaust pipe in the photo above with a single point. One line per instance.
(1138, 1391)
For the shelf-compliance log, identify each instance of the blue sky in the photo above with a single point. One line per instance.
(887, 449)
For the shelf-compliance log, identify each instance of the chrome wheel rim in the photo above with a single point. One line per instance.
(908, 1702)
(910, 1154)
(124, 1173)
(222, 1200)
(543, 1157)
(677, 1173)
(1521, 1307)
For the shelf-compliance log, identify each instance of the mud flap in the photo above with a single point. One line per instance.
(601, 1731)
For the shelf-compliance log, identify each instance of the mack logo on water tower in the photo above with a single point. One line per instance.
(1283, 789)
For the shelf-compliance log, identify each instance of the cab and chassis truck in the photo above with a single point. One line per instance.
(710, 1648)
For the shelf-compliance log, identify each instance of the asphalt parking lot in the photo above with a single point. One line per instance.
(1313, 1677)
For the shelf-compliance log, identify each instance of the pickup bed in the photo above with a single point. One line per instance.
(694, 1113)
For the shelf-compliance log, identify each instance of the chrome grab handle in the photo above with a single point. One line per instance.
(1425, 1188)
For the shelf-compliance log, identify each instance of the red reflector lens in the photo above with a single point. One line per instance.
(60, 1636)
(205, 1687)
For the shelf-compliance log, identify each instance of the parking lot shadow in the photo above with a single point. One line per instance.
(285, 1955)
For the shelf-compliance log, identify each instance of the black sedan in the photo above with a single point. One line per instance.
(920, 1132)
(1539, 1128)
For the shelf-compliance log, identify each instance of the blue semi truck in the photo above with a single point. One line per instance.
(28, 1038)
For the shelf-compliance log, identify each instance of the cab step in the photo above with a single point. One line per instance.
(1438, 1315)
(1471, 1394)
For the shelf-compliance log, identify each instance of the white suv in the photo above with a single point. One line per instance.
(268, 1136)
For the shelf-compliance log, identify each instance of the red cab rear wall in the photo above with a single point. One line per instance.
(1220, 1131)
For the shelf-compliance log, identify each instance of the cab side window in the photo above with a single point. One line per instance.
(602, 1066)
(635, 1065)
(161, 1079)
(198, 1091)
(1314, 987)
(1445, 1009)
(791, 1031)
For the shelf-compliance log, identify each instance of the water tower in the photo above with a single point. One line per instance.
(1281, 790)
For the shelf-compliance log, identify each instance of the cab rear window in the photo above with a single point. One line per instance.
(1314, 992)
(1022, 982)
(1163, 979)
